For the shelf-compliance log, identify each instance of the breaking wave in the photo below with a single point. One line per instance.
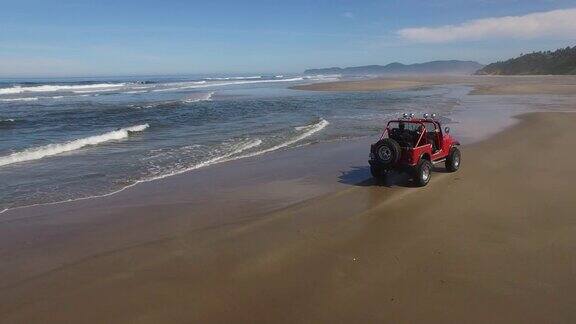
(18, 99)
(202, 97)
(207, 96)
(52, 88)
(204, 84)
(54, 149)
(236, 78)
(235, 152)
(307, 131)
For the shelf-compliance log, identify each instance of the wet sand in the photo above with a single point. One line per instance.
(493, 242)
(483, 85)
(559, 87)
(364, 85)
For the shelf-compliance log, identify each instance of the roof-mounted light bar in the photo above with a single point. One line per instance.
(429, 116)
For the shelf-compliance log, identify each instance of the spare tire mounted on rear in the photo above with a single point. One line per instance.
(387, 151)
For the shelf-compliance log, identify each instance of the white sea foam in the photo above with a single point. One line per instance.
(19, 99)
(9, 120)
(53, 88)
(307, 131)
(235, 152)
(196, 85)
(203, 97)
(54, 149)
(236, 78)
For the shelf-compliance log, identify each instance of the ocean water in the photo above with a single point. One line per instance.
(66, 139)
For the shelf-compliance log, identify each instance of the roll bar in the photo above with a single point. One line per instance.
(420, 122)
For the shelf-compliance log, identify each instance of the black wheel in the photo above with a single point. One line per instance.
(422, 173)
(378, 173)
(453, 160)
(386, 151)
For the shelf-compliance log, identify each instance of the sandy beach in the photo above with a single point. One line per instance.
(483, 85)
(305, 235)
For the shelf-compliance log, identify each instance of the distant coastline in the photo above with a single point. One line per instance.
(451, 67)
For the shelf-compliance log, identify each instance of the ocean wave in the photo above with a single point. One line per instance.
(307, 131)
(235, 152)
(202, 97)
(235, 78)
(54, 149)
(7, 123)
(220, 84)
(18, 99)
(206, 96)
(52, 88)
(235, 149)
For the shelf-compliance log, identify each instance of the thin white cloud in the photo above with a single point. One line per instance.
(349, 15)
(556, 23)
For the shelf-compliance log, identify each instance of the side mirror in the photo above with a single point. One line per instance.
(447, 130)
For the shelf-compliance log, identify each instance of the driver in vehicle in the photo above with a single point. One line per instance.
(403, 135)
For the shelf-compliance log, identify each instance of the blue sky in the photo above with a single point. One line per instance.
(65, 38)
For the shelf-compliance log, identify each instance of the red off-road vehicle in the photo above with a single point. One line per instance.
(414, 145)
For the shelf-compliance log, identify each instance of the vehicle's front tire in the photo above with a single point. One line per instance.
(453, 160)
(423, 173)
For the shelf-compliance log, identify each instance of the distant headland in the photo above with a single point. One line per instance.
(453, 67)
(559, 62)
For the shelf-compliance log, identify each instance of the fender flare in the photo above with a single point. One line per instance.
(454, 144)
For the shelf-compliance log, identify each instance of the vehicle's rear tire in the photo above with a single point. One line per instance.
(423, 173)
(387, 152)
(453, 160)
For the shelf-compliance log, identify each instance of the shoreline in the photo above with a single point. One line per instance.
(222, 159)
(378, 84)
(354, 252)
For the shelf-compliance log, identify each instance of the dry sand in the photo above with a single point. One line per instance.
(483, 85)
(493, 242)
